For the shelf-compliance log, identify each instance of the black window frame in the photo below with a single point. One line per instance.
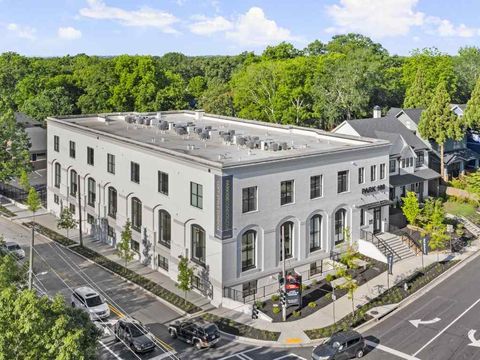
(112, 202)
(382, 171)
(361, 175)
(90, 219)
(249, 288)
(163, 183)
(56, 143)
(393, 168)
(316, 186)
(73, 182)
(315, 233)
(110, 163)
(420, 161)
(72, 208)
(248, 249)
(162, 262)
(315, 268)
(249, 199)
(373, 173)
(72, 149)
(135, 246)
(56, 199)
(196, 197)
(362, 217)
(135, 172)
(198, 242)
(340, 224)
(343, 181)
(57, 175)
(90, 156)
(136, 212)
(287, 192)
(164, 232)
(289, 240)
(91, 192)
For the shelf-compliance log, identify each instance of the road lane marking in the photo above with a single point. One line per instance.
(418, 322)
(244, 357)
(110, 350)
(290, 355)
(240, 353)
(471, 337)
(163, 356)
(390, 350)
(447, 327)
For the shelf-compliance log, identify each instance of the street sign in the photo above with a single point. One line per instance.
(334, 297)
(425, 246)
(390, 263)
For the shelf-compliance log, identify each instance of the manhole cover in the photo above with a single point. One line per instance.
(374, 312)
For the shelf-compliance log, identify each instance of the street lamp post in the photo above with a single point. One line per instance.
(284, 286)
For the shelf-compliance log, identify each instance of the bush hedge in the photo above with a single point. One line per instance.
(5, 212)
(234, 328)
(392, 296)
(128, 274)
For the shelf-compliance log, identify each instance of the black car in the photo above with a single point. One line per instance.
(198, 332)
(342, 345)
(134, 334)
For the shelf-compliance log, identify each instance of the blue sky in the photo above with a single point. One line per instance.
(210, 27)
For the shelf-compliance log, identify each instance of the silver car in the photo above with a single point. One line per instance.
(11, 247)
(89, 300)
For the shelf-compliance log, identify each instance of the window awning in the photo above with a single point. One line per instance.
(417, 176)
(375, 204)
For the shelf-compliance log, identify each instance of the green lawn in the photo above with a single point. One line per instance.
(462, 209)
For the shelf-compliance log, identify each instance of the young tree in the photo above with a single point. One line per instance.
(439, 123)
(184, 277)
(66, 220)
(123, 248)
(410, 207)
(472, 112)
(33, 201)
(436, 228)
(418, 95)
(24, 181)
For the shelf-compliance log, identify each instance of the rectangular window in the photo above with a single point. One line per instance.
(56, 200)
(411, 161)
(72, 209)
(196, 195)
(111, 163)
(90, 219)
(163, 183)
(403, 163)
(382, 171)
(362, 217)
(135, 246)
(73, 182)
(393, 166)
(90, 156)
(316, 267)
(72, 149)
(58, 175)
(420, 159)
(249, 199)
(361, 175)
(373, 172)
(111, 232)
(342, 181)
(136, 214)
(164, 228)
(198, 245)
(249, 288)
(316, 186)
(92, 193)
(56, 143)
(286, 192)
(112, 202)
(135, 172)
(162, 262)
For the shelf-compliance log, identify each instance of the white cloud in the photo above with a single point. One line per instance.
(69, 33)
(143, 17)
(207, 26)
(445, 28)
(25, 32)
(377, 18)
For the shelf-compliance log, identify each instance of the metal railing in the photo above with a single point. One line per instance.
(412, 243)
(379, 244)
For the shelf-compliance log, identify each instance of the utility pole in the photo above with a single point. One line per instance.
(79, 211)
(30, 265)
(284, 307)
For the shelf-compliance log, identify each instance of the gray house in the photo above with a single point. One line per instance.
(38, 140)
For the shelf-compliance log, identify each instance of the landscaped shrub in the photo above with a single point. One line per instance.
(312, 304)
(50, 233)
(275, 297)
(5, 212)
(276, 310)
(296, 313)
(259, 304)
(305, 287)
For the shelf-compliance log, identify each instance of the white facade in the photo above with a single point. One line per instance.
(223, 168)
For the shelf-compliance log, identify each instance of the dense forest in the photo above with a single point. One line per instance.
(320, 85)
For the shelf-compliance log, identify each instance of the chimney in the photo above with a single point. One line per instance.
(377, 112)
(199, 114)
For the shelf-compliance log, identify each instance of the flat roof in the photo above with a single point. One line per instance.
(216, 140)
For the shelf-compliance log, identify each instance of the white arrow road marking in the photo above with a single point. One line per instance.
(418, 322)
(471, 337)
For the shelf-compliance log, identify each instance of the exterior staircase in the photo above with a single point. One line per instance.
(400, 248)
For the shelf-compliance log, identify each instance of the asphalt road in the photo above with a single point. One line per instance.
(448, 313)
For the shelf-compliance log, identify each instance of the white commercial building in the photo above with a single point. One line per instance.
(222, 191)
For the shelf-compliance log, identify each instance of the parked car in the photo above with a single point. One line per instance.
(342, 345)
(134, 334)
(197, 332)
(11, 247)
(89, 300)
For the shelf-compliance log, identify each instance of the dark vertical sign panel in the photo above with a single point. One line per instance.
(223, 206)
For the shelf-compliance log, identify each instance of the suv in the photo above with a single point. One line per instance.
(89, 300)
(134, 334)
(11, 247)
(342, 345)
(199, 333)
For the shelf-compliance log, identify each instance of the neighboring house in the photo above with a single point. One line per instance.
(409, 161)
(459, 156)
(223, 191)
(38, 140)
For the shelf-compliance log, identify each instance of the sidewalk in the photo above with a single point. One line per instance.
(49, 220)
(292, 332)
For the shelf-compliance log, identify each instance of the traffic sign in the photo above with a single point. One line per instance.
(390, 263)
(425, 246)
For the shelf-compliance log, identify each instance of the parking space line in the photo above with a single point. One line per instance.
(390, 350)
(290, 355)
(110, 350)
(240, 353)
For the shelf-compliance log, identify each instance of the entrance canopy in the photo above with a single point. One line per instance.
(417, 176)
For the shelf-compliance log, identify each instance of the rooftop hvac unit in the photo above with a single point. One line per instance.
(198, 130)
(284, 146)
(250, 144)
(274, 146)
(226, 138)
(148, 122)
(190, 128)
(208, 127)
(171, 125)
(263, 145)
(159, 115)
(241, 140)
(204, 136)
(163, 125)
(141, 120)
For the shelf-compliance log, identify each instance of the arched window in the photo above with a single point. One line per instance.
(164, 228)
(58, 175)
(340, 218)
(73, 182)
(249, 239)
(112, 202)
(286, 240)
(315, 232)
(198, 244)
(92, 191)
(136, 214)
